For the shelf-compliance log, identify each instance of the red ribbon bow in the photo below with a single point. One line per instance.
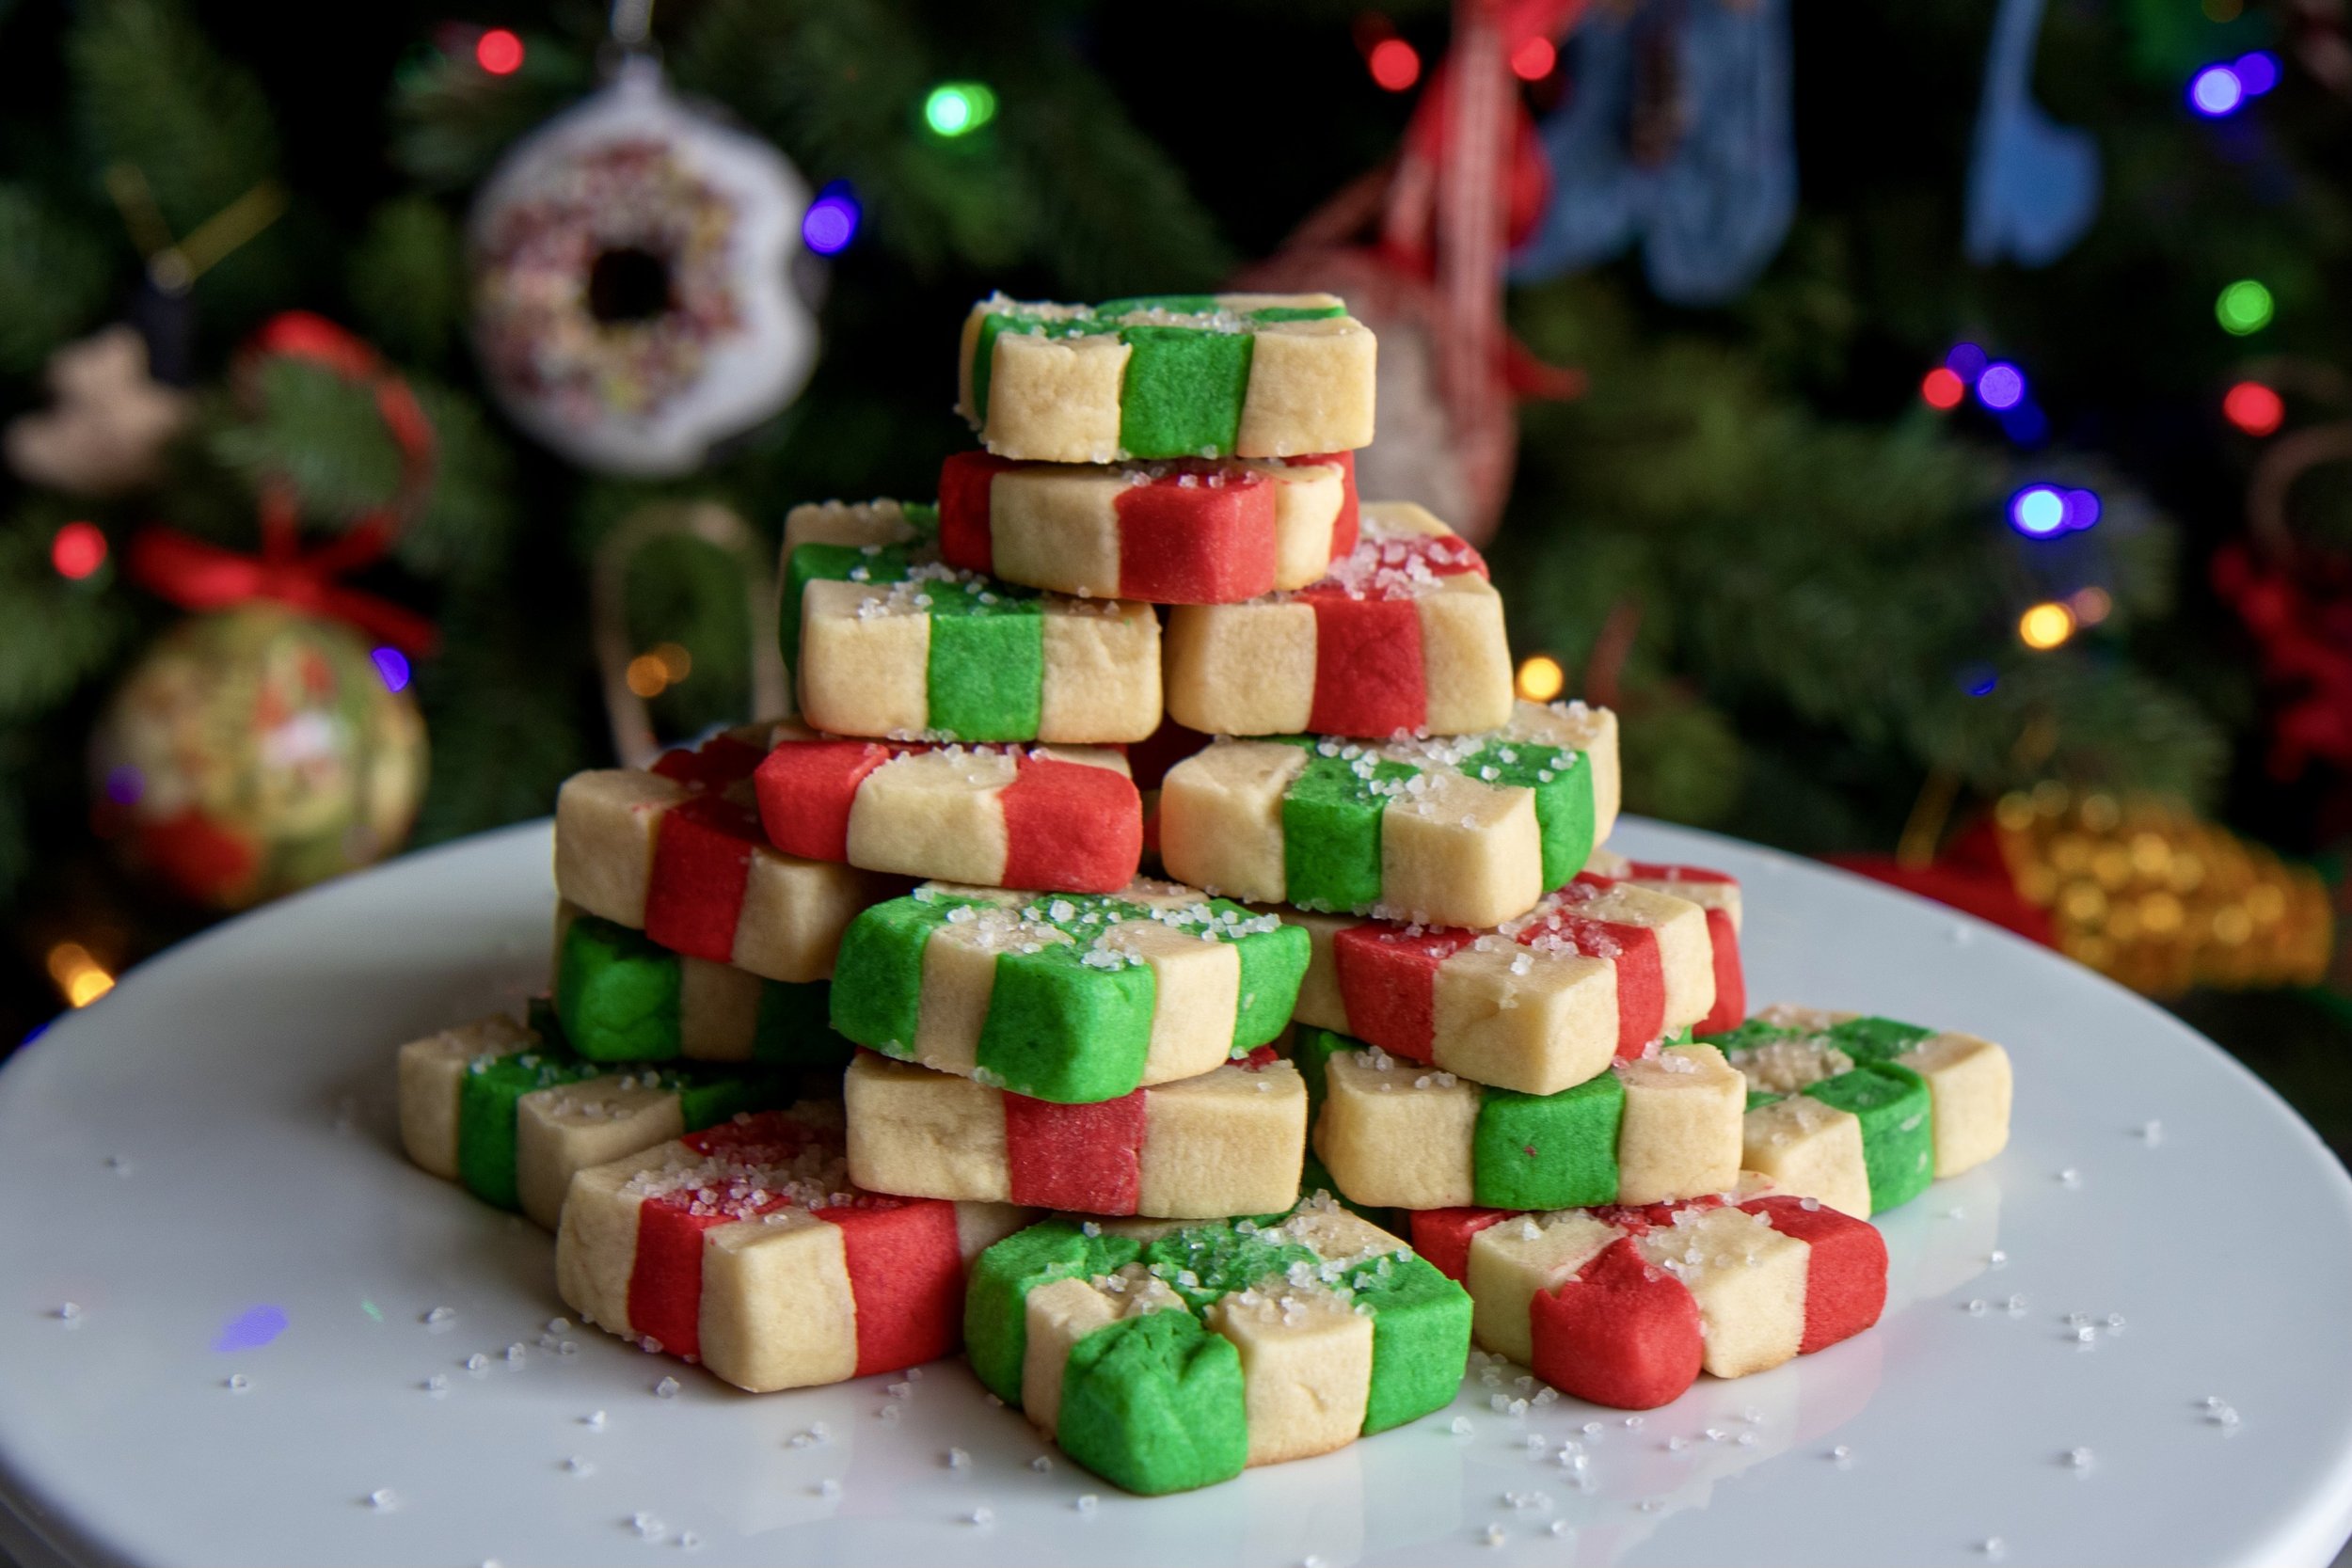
(199, 575)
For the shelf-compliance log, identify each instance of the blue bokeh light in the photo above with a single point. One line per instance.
(2215, 91)
(393, 665)
(2037, 511)
(2082, 509)
(2257, 72)
(252, 1329)
(831, 222)
(2001, 385)
(125, 785)
(2025, 423)
(1978, 680)
(1967, 361)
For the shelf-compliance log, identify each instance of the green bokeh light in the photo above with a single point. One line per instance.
(954, 108)
(2244, 307)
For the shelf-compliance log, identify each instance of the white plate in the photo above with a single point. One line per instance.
(243, 1080)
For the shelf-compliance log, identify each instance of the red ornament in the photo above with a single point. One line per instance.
(199, 575)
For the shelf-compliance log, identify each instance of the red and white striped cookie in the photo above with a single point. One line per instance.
(1049, 819)
(677, 851)
(744, 1247)
(1596, 973)
(1188, 531)
(1406, 634)
(1626, 1306)
(1718, 893)
(1228, 1141)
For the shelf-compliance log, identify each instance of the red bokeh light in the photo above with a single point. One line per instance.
(499, 52)
(2254, 408)
(1532, 60)
(79, 551)
(1943, 388)
(1396, 64)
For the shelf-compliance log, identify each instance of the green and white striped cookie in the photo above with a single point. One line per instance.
(1467, 831)
(624, 997)
(1863, 1113)
(1168, 375)
(1166, 1357)
(508, 1112)
(1069, 997)
(885, 640)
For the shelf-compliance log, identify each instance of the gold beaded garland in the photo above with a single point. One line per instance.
(2144, 890)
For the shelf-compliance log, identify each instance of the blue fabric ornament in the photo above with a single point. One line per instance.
(1712, 208)
(2033, 185)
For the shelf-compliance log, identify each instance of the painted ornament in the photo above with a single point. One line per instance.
(258, 751)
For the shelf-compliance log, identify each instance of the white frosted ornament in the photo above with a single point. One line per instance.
(633, 297)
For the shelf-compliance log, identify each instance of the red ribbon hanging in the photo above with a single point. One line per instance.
(196, 574)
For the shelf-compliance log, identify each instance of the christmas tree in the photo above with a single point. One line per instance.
(1886, 492)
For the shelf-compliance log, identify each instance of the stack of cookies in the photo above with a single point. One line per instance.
(1161, 920)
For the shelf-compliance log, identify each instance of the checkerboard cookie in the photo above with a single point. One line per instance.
(1068, 997)
(1471, 831)
(1190, 530)
(677, 851)
(1862, 1111)
(1624, 1307)
(1227, 1142)
(510, 1112)
(888, 641)
(1166, 375)
(1395, 1134)
(1166, 1357)
(1404, 634)
(744, 1247)
(1059, 819)
(623, 997)
(1596, 971)
(1715, 892)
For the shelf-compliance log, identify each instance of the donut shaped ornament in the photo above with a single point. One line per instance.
(633, 292)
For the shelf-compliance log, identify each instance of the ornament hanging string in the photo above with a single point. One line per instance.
(196, 574)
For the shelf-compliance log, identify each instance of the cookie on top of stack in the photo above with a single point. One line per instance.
(913, 1021)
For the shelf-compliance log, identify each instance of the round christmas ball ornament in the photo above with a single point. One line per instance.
(258, 751)
(633, 297)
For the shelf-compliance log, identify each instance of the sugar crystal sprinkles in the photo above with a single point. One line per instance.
(436, 1383)
(689, 1539)
(667, 1388)
(477, 1362)
(437, 1316)
(2078, 1459)
(578, 1466)
(1493, 1535)
(382, 1499)
(238, 1382)
(1993, 1546)
(1043, 1465)
(594, 1420)
(1088, 1502)
(69, 1311)
(644, 1523)
(959, 1459)
(982, 1516)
